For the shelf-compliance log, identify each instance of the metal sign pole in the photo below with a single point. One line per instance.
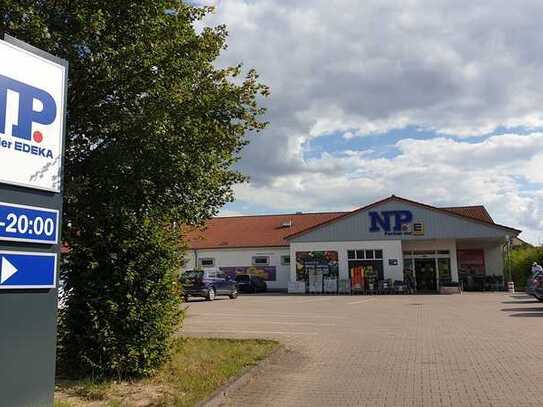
(33, 87)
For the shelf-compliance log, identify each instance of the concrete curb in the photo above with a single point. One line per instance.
(219, 396)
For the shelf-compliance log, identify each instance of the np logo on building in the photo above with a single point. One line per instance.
(31, 119)
(395, 223)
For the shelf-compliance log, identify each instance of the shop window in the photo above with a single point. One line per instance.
(319, 269)
(424, 252)
(365, 254)
(443, 252)
(261, 260)
(285, 260)
(207, 262)
(444, 268)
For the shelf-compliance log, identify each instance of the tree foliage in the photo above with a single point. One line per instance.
(522, 259)
(153, 130)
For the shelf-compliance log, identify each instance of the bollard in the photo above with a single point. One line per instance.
(511, 286)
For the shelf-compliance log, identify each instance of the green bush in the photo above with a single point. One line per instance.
(522, 259)
(123, 299)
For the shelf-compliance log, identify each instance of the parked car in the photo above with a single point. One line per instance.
(251, 284)
(536, 288)
(530, 289)
(207, 284)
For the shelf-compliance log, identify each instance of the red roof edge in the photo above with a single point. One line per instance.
(453, 208)
(394, 197)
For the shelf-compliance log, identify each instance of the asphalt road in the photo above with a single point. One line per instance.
(459, 350)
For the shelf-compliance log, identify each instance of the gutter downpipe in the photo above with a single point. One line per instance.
(510, 283)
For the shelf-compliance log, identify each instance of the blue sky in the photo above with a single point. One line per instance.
(434, 101)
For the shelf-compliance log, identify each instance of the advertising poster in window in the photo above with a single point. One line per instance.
(267, 273)
(325, 261)
(471, 262)
(471, 269)
(315, 276)
(357, 277)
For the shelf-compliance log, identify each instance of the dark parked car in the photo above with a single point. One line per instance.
(531, 282)
(207, 284)
(251, 284)
(535, 286)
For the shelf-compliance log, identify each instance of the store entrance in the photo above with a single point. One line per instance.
(365, 275)
(425, 274)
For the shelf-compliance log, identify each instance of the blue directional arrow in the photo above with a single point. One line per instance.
(27, 270)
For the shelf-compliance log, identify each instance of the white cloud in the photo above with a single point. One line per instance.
(455, 67)
(438, 171)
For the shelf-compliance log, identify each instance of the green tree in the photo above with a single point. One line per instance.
(153, 131)
(522, 259)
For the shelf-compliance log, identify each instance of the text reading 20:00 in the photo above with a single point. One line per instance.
(37, 226)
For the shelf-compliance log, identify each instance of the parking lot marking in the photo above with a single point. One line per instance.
(313, 300)
(283, 323)
(288, 300)
(359, 302)
(198, 331)
(266, 315)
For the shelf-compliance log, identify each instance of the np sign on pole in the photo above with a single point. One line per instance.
(33, 87)
(31, 119)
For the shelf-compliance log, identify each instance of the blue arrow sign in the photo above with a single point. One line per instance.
(20, 270)
(21, 223)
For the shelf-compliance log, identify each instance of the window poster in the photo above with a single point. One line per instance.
(326, 262)
(315, 280)
(357, 277)
(267, 273)
(471, 262)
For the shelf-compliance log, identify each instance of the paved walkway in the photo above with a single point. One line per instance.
(435, 351)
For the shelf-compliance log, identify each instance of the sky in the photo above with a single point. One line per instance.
(438, 101)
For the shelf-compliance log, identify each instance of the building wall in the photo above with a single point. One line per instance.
(437, 225)
(391, 250)
(493, 261)
(244, 258)
(493, 254)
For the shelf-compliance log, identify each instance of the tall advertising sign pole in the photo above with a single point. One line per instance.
(33, 88)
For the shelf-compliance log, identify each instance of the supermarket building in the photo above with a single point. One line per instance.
(392, 240)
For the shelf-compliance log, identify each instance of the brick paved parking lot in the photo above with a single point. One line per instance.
(459, 350)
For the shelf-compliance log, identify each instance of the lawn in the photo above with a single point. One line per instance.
(198, 367)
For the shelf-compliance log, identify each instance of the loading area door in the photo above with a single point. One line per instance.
(425, 274)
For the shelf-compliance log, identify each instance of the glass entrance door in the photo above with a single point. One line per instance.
(425, 274)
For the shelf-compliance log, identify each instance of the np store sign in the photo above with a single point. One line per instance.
(395, 223)
(31, 119)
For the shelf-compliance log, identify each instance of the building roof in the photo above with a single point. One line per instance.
(478, 212)
(273, 230)
(254, 231)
